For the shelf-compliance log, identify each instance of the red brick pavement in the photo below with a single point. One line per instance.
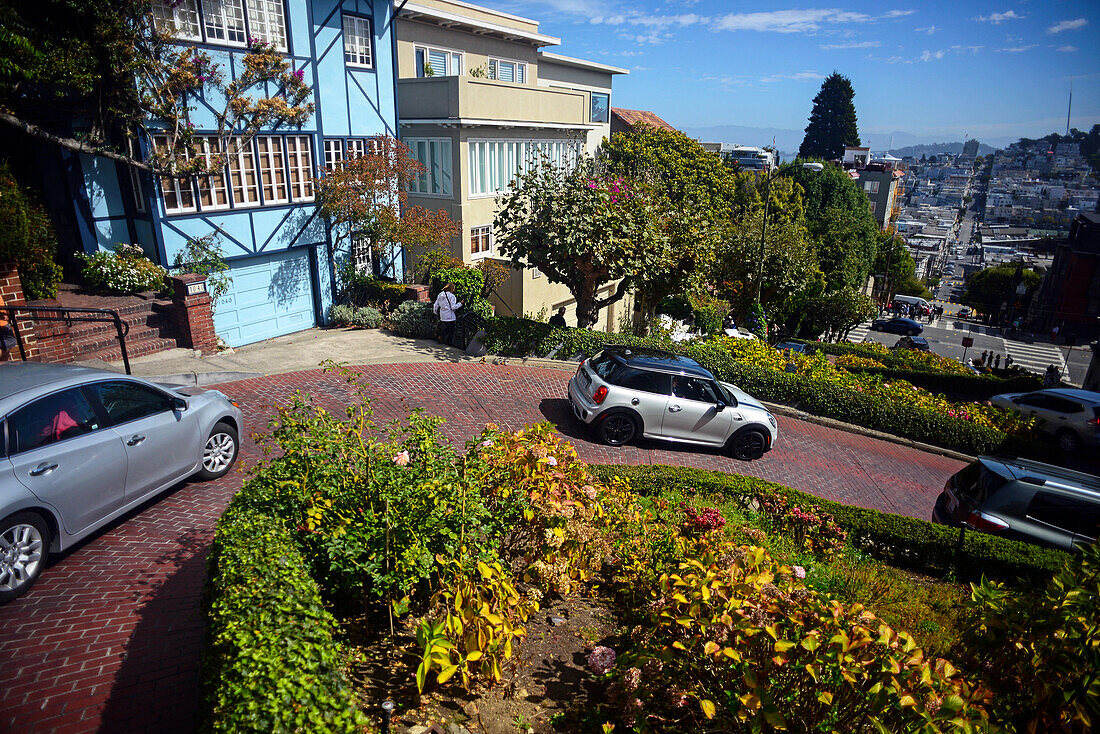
(109, 639)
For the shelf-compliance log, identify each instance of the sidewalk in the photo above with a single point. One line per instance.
(303, 350)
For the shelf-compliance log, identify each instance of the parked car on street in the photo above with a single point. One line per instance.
(964, 312)
(624, 393)
(80, 447)
(898, 325)
(912, 342)
(1072, 416)
(1023, 500)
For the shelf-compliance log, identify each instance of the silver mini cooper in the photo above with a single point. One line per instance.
(626, 392)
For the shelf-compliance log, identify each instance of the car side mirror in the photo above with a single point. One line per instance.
(719, 407)
(179, 404)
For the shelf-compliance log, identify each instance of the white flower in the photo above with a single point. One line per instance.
(401, 459)
(551, 461)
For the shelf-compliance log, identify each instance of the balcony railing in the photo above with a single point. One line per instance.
(466, 98)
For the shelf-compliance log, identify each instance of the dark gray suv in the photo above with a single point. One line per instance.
(626, 392)
(1023, 500)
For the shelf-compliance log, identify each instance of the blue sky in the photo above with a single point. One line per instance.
(935, 69)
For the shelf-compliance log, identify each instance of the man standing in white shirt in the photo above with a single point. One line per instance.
(445, 306)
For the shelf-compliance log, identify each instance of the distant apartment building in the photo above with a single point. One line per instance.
(970, 148)
(745, 156)
(480, 102)
(1069, 296)
(880, 180)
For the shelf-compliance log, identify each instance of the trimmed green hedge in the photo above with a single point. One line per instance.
(900, 541)
(512, 336)
(270, 663)
(957, 387)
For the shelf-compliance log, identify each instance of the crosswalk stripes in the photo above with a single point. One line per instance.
(1036, 357)
(857, 334)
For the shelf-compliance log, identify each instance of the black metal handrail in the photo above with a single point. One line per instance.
(466, 327)
(70, 316)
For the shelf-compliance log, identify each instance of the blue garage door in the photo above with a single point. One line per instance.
(271, 295)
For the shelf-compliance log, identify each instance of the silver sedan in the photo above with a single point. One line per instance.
(80, 447)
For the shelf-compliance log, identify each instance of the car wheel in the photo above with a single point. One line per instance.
(617, 429)
(1068, 441)
(24, 545)
(748, 445)
(219, 452)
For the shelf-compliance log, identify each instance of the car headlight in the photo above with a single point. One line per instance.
(771, 419)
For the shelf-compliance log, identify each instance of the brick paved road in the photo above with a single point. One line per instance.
(109, 639)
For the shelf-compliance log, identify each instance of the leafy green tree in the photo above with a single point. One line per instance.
(583, 229)
(839, 312)
(832, 124)
(903, 279)
(840, 224)
(27, 238)
(987, 289)
(694, 194)
(790, 266)
(204, 256)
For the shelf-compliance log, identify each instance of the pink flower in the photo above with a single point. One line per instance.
(486, 442)
(799, 572)
(401, 459)
(601, 660)
(299, 74)
(551, 461)
(632, 679)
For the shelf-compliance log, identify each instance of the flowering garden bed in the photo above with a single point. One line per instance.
(508, 585)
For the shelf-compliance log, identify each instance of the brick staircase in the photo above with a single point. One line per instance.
(151, 331)
(151, 326)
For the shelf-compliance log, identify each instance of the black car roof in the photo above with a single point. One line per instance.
(645, 358)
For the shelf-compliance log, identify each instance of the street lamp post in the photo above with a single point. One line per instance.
(768, 178)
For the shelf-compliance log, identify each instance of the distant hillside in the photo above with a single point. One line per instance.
(938, 148)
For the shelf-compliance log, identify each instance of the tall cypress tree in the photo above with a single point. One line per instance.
(833, 120)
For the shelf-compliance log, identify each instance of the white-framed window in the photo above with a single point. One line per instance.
(213, 191)
(871, 187)
(266, 20)
(481, 240)
(508, 71)
(435, 155)
(299, 154)
(223, 21)
(242, 174)
(357, 147)
(443, 62)
(494, 164)
(334, 153)
(357, 42)
(269, 155)
(178, 17)
(179, 193)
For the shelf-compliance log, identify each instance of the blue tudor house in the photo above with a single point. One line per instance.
(262, 204)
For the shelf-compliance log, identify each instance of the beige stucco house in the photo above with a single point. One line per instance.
(478, 99)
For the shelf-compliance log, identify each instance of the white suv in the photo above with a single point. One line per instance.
(625, 392)
(1072, 415)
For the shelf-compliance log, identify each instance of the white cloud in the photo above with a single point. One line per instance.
(787, 21)
(998, 18)
(929, 55)
(801, 76)
(971, 49)
(1066, 49)
(1068, 25)
(927, 29)
(1018, 49)
(853, 44)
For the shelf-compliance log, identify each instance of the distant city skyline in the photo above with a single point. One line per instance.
(937, 70)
